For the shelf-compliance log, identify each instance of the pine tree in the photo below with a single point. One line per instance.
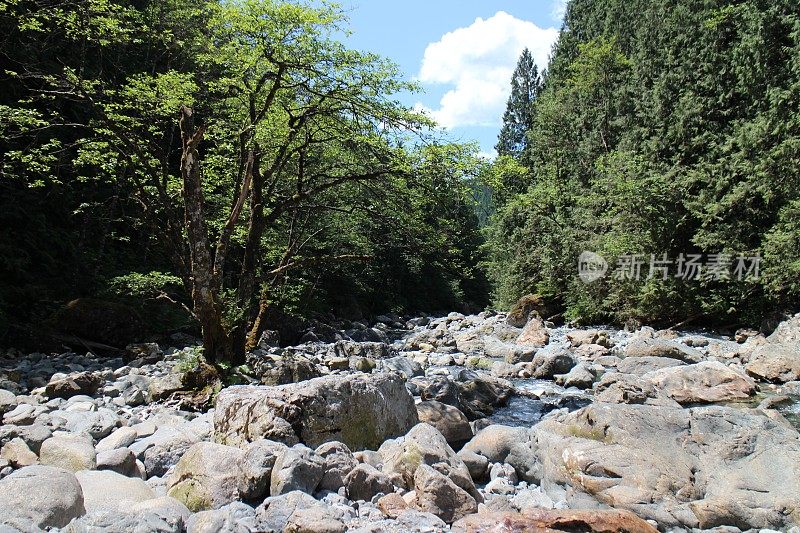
(518, 118)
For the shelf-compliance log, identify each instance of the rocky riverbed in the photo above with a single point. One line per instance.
(488, 422)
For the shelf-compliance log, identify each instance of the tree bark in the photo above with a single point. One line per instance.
(207, 309)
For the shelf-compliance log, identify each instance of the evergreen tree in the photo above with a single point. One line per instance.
(518, 118)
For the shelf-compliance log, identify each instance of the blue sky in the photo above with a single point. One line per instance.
(463, 53)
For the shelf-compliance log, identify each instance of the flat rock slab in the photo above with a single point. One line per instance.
(360, 410)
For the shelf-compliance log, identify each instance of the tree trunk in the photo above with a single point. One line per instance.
(205, 298)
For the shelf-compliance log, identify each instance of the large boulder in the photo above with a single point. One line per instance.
(283, 370)
(339, 461)
(642, 365)
(359, 410)
(207, 476)
(693, 468)
(550, 361)
(706, 382)
(365, 481)
(40, 496)
(288, 512)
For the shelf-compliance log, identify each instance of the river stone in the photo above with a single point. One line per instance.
(424, 445)
(365, 481)
(555, 521)
(120, 438)
(104, 490)
(775, 363)
(286, 512)
(120, 460)
(18, 454)
(206, 477)
(359, 410)
(339, 462)
(33, 435)
(581, 376)
(297, 468)
(284, 370)
(235, 517)
(649, 347)
(74, 384)
(405, 366)
(7, 401)
(534, 334)
(173, 512)
(642, 365)
(68, 451)
(450, 422)
(98, 424)
(256, 465)
(691, 468)
(706, 382)
(438, 495)
(519, 314)
(550, 361)
(42, 496)
(583, 337)
(480, 395)
(616, 387)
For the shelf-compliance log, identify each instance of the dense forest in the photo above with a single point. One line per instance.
(667, 130)
(228, 164)
(220, 162)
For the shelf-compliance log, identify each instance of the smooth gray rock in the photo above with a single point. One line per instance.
(121, 460)
(104, 490)
(42, 496)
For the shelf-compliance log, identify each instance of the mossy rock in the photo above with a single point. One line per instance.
(530, 303)
(192, 494)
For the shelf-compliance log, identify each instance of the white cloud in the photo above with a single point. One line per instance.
(559, 9)
(478, 62)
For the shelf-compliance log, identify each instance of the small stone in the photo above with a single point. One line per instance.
(297, 468)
